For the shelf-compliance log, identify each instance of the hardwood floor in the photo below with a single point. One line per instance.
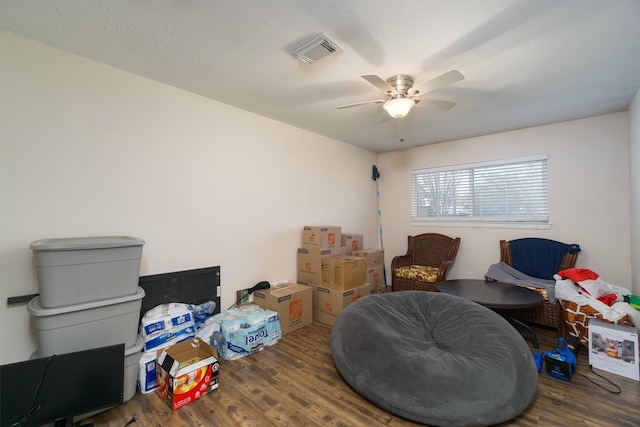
(294, 383)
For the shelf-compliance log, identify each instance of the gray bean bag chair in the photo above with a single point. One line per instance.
(434, 358)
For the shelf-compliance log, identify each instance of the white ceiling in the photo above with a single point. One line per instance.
(525, 62)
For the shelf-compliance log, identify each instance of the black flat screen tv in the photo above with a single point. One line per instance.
(55, 389)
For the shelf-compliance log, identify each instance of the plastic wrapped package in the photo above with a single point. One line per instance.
(202, 312)
(167, 324)
(242, 331)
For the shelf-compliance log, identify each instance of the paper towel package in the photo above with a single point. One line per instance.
(147, 371)
(167, 324)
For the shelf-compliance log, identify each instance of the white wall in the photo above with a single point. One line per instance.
(90, 150)
(86, 149)
(634, 166)
(588, 193)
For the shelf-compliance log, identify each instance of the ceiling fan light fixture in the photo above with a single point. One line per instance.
(398, 107)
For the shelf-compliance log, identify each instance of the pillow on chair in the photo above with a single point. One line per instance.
(422, 273)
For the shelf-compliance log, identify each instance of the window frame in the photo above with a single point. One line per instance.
(538, 221)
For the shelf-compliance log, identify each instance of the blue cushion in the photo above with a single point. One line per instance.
(539, 257)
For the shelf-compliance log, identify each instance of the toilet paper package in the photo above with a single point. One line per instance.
(242, 331)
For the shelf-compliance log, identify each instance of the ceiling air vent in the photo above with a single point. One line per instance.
(316, 49)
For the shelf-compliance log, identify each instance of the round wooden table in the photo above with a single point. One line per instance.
(498, 296)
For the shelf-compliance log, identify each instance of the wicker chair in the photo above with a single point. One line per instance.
(428, 257)
(545, 314)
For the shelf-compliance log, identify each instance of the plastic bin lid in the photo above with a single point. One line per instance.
(34, 307)
(128, 351)
(77, 243)
(136, 348)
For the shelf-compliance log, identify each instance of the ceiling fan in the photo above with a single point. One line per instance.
(402, 95)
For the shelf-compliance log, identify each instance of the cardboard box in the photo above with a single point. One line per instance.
(314, 299)
(321, 237)
(185, 372)
(331, 302)
(614, 348)
(310, 263)
(293, 303)
(375, 277)
(352, 242)
(374, 257)
(343, 272)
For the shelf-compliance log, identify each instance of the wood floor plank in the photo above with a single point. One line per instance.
(295, 383)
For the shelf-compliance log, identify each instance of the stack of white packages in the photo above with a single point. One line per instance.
(242, 331)
(160, 327)
(167, 324)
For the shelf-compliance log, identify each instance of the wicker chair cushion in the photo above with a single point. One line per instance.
(421, 273)
(434, 358)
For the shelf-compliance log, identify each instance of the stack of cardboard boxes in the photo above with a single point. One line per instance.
(375, 267)
(351, 242)
(338, 269)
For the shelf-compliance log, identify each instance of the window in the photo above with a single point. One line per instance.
(506, 191)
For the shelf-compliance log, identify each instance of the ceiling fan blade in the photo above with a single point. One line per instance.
(438, 82)
(437, 104)
(377, 101)
(379, 83)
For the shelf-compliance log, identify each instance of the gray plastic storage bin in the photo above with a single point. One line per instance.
(131, 366)
(84, 269)
(89, 325)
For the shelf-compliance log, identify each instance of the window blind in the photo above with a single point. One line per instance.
(513, 190)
